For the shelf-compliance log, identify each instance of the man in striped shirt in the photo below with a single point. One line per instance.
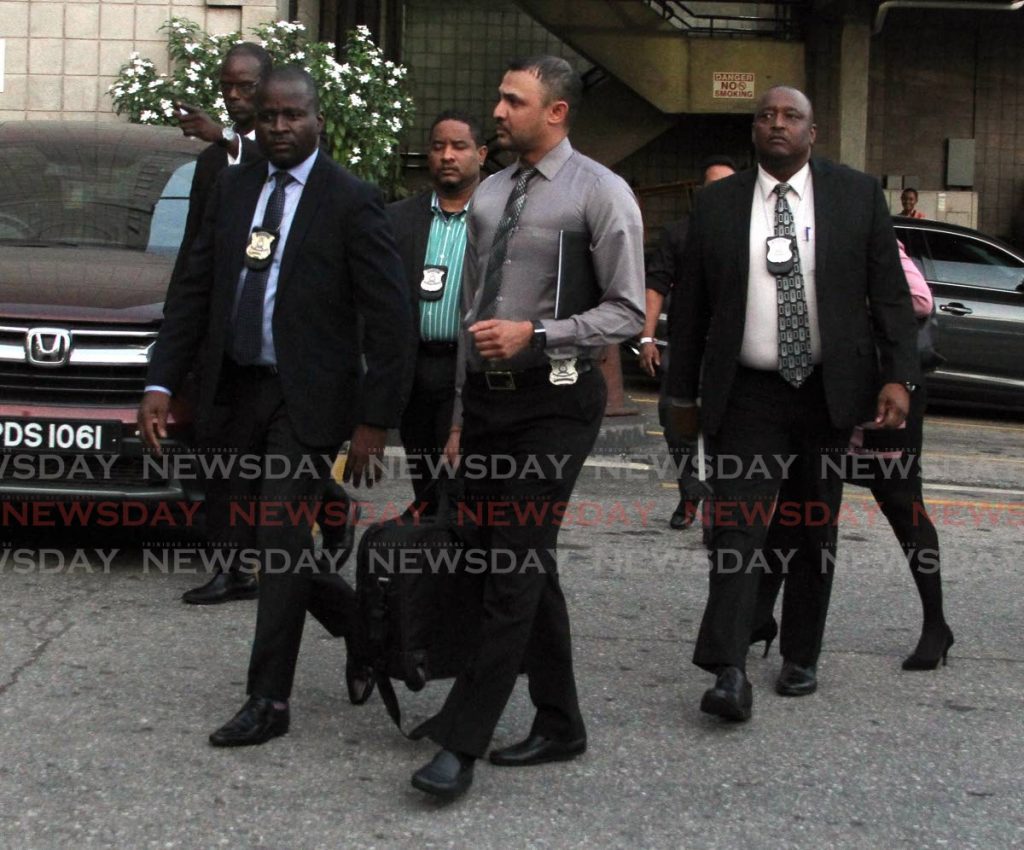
(430, 229)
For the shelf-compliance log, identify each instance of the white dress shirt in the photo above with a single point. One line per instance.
(760, 349)
(234, 160)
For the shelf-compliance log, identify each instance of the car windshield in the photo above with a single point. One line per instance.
(99, 195)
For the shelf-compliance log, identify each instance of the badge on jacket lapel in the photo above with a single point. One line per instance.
(432, 285)
(781, 254)
(260, 250)
(563, 371)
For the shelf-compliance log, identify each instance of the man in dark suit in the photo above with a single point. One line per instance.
(791, 282)
(245, 65)
(430, 229)
(292, 255)
(663, 270)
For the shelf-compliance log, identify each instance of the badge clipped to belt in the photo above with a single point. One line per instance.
(781, 254)
(563, 371)
(432, 285)
(260, 251)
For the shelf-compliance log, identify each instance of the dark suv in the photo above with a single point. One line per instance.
(91, 217)
(978, 286)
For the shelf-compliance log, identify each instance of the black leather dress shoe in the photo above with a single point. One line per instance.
(731, 698)
(359, 681)
(446, 775)
(684, 515)
(538, 750)
(223, 587)
(796, 681)
(256, 723)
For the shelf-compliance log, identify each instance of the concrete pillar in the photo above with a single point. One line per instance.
(854, 56)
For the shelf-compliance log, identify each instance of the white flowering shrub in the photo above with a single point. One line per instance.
(364, 98)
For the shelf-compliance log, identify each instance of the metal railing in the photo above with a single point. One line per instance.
(785, 20)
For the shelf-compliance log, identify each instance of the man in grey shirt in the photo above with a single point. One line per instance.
(554, 272)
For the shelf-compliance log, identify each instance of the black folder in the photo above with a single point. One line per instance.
(576, 289)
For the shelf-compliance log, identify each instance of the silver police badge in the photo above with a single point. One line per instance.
(432, 284)
(563, 371)
(781, 254)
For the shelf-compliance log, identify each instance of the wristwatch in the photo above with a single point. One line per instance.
(227, 136)
(540, 336)
(909, 386)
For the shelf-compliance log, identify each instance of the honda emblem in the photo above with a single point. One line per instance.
(48, 347)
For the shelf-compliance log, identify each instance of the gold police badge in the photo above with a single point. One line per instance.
(260, 249)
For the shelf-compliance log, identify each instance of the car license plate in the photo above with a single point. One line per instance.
(59, 435)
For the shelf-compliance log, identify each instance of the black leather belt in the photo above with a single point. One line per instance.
(431, 346)
(255, 370)
(520, 379)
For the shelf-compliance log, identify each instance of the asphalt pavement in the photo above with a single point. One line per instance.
(109, 686)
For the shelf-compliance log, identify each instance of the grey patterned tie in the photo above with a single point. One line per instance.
(247, 341)
(499, 247)
(794, 326)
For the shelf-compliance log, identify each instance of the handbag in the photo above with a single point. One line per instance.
(927, 338)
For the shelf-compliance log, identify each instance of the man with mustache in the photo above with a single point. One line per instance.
(554, 272)
(430, 229)
(791, 283)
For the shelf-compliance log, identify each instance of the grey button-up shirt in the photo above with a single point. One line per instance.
(571, 193)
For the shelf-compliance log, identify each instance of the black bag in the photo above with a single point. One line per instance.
(419, 605)
(927, 337)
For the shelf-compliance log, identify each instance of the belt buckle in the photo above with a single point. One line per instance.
(500, 380)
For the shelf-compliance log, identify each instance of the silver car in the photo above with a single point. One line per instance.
(978, 286)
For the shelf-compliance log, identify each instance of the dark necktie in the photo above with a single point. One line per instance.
(248, 330)
(794, 326)
(499, 247)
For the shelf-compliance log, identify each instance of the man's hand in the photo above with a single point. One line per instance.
(650, 357)
(893, 406)
(152, 419)
(452, 448)
(367, 443)
(500, 339)
(683, 424)
(196, 123)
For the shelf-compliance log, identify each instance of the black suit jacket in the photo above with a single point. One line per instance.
(339, 266)
(209, 164)
(868, 333)
(410, 219)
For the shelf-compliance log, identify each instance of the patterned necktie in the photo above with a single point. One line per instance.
(248, 330)
(794, 327)
(499, 247)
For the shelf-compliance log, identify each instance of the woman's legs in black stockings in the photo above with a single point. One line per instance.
(899, 496)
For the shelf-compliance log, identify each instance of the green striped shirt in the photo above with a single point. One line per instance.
(446, 246)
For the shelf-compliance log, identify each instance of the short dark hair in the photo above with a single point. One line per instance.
(249, 48)
(475, 128)
(292, 74)
(910, 189)
(718, 159)
(558, 77)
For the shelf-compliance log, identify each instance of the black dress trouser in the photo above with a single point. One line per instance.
(769, 454)
(427, 418)
(522, 452)
(271, 516)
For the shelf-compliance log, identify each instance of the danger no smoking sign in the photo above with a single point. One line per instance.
(732, 85)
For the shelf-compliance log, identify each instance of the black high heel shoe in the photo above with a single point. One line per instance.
(923, 657)
(766, 632)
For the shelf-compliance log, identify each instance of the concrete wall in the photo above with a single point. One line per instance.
(940, 75)
(62, 56)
